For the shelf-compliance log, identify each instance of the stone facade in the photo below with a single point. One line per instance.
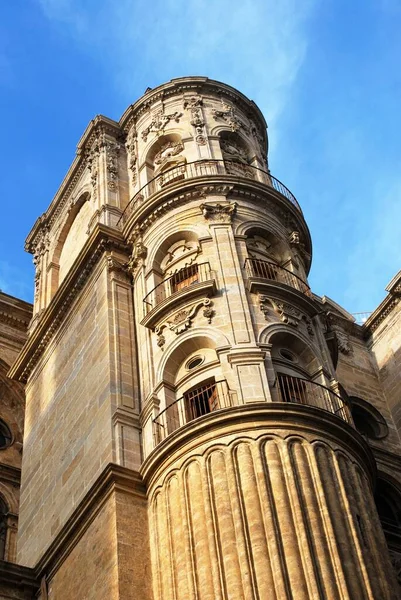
(198, 423)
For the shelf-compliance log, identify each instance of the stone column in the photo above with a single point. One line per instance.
(259, 508)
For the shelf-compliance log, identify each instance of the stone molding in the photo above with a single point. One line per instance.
(10, 474)
(277, 415)
(113, 478)
(102, 239)
(19, 577)
(186, 190)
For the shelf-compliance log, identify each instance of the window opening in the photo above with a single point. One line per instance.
(5, 435)
(201, 400)
(291, 389)
(184, 278)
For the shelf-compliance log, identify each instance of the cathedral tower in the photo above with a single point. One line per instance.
(186, 436)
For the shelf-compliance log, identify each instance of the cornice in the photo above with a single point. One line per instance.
(10, 474)
(385, 307)
(190, 85)
(226, 185)
(294, 418)
(386, 458)
(19, 577)
(113, 478)
(15, 312)
(102, 238)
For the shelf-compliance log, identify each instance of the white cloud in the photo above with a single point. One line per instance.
(256, 45)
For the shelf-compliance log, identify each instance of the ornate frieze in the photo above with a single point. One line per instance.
(219, 212)
(159, 122)
(288, 313)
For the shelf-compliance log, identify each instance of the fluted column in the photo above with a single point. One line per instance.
(266, 513)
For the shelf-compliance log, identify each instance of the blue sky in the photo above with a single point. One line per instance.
(326, 74)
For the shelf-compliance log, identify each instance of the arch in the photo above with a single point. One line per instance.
(162, 156)
(181, 349)
(82, 197)
(368, 421)
(234, 146)
(176, 234)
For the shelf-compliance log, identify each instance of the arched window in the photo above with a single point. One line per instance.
(368, 421)
(5, 435)
(3, 528)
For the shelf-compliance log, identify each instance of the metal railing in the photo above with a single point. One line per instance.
(202, 168)
(269, 270)
(182, 279)
(193, 404)
(304, 391)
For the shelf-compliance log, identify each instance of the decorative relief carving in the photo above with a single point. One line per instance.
(138, 255)
(182, 319)
(112, 152)
(219, 212)
(343, 342)
(309, 326)
(194, 105)
(228, 115)
(117, 267)
(92, 161)
(168, 149)
(130, 146)
(287, 313)
(159, 122)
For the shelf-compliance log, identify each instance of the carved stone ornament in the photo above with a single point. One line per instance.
(159, 122)
(169, 149)
(112, 152)
(343, 342)
(182, 319)
(228, 115)
(287, 313)
(138, 255)
(130, 146)
(231, 149)
(92, 165)
(219, 212)
(117, 267)
(308, 325)
(194, 105)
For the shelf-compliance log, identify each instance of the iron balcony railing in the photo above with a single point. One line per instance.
(182, 279)
(202, 168)
(268, 270)
(304, 391)
(193, 404)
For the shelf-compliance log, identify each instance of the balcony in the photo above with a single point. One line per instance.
(213, 396)
(189, 282)
(263, 269)
(193, 404)
(200, 169)
(310, 393)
